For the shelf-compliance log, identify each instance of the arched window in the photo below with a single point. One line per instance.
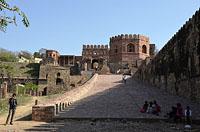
(130, 48)
(58, 74)
(144, 49)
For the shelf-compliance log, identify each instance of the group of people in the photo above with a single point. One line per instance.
(151, 107)
(177, 114)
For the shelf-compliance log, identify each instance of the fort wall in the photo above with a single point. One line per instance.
(176, 68)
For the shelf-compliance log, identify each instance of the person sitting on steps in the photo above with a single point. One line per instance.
(155, 108)
(188, 115)
(144, 108)
(150, 108)
(179, 113)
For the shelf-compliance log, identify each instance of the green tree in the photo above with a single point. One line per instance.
(6, 18)
(37, 55)
(7, 56)
(7, 71)
(31, 86)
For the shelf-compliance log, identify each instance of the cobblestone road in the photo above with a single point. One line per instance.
(110, 98)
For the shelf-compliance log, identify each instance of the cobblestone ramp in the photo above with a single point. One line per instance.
(111, 99)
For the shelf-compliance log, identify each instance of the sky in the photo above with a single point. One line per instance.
(65, 25)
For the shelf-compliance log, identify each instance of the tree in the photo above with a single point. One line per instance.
(7, 71)
(7, 56)
(37, 55)
(6, 19)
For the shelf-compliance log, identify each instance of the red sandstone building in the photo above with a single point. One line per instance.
(130, 49)
(125, 51)
(94, 55)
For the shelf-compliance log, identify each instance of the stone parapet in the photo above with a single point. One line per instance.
(46, 111)
(129, 36)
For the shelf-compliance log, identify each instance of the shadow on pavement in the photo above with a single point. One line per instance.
(121, 101)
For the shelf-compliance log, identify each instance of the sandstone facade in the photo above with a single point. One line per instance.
(95, 55)
(53, 78)
(129, 50)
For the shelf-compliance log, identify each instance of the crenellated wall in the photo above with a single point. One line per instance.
(129, 36)
(95, 47)
(176, 68)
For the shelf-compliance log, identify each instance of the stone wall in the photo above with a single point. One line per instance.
(46, 111)
(176, 68)
(43, 113)
(54, 78)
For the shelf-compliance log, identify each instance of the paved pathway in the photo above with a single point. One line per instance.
(110, 98)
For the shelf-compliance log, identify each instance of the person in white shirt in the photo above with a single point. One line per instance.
(188, 115)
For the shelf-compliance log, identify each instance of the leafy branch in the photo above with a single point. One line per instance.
(5, 19)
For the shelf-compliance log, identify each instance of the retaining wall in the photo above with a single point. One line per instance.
(47, 111)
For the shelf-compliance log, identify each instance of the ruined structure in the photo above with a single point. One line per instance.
(3, 90)
(69, 60)
(51, 57)
(176, 68)
(53, 79)
(129, 50)
(94, 56)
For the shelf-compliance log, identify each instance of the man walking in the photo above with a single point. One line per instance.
(12, 108)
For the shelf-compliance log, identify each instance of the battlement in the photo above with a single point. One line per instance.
(129, 36)
(188, 22)
(95, 46)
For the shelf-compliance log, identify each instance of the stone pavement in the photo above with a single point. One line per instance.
(111, 99)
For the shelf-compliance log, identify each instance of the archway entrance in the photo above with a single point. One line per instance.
(44, 93)
(95, 64)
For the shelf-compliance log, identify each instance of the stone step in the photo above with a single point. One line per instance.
(110, 119)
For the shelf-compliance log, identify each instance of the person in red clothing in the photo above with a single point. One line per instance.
(156, 108)
(179, 112)
(144, 108)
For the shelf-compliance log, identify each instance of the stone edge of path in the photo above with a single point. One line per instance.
(47, 111)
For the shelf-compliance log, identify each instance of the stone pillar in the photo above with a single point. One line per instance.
(85, 66)
(57, 108)
(16, 89)
(1, 91)
(63, 106)
(4, 89)
(60, 106)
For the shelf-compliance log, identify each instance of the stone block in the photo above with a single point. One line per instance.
(43, 113)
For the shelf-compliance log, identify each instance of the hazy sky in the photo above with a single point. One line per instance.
(65, 25)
